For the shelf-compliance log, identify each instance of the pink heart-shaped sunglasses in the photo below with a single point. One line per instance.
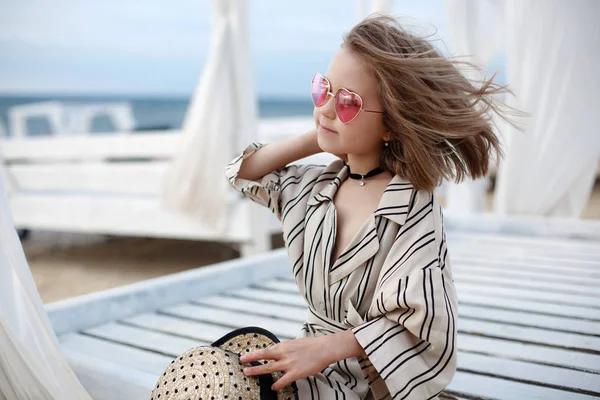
(347, 103)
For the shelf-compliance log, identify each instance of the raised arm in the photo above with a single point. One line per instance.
(266, 174)
(278, 154)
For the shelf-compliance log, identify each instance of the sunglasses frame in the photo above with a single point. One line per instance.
(329, 92)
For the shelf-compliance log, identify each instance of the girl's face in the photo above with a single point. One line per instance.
(365, 133)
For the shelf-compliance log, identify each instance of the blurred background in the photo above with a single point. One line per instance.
(150, 55)
(72, 70)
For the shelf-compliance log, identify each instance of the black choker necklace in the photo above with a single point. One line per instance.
(369, 174)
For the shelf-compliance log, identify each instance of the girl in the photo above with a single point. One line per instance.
(365, 233)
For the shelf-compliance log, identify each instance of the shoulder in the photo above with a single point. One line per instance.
(329, 173)
(300, 180)
(423, 208)
(326, 183)
(425, 211)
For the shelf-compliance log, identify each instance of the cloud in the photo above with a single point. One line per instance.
(113, 25)
(127, 46)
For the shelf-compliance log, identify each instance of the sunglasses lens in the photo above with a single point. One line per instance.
(347, 105)
(319, 90)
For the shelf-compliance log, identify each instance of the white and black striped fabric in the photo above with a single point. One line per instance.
(392, 285)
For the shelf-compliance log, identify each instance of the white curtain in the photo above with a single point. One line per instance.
(32, 366)
(476, 35)
(220, 119)
(552, 59)
(366, 7)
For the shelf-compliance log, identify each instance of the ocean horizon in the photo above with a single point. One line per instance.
(150, 112)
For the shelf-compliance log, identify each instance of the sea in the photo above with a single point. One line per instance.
(150, 113)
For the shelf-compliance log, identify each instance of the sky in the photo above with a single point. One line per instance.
(158, 48)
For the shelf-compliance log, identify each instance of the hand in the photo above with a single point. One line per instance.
(297, 359)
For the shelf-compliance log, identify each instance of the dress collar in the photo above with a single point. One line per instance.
(394, 202)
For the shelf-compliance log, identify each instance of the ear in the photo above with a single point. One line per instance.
(387, 136)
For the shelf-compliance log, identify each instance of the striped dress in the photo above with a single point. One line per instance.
(392, 285)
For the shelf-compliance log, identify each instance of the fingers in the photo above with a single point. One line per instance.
(285, 380)
(256, 355)
(268, 368)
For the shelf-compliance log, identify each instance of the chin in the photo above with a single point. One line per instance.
(326, 144)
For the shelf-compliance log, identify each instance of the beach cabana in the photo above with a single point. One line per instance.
(529, 323)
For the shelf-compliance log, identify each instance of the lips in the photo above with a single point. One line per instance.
(326, 129)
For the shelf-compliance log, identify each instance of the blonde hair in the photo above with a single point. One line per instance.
(439, 120)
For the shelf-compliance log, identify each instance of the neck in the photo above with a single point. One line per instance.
(362, 164)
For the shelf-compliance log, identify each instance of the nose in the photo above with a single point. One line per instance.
(328, 109)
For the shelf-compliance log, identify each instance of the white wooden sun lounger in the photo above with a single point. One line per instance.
(529, 313)
(110, 184)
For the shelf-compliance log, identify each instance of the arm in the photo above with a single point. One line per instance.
(264, 173)
(278, 154)
(342, 345)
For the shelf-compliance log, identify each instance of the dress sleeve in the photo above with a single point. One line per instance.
(278, 187)
(410, 335)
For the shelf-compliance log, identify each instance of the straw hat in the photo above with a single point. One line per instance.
(214, 372)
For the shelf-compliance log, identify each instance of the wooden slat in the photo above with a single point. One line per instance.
(558, 378)
(478, 259)
(590, 263)
(497, 301)
(558, 289)
(105, 380)
(549, 270)
(523, 226)
(532, 353)
(148, 144)
(508, 253)
(123, 355)
(487, 387)
(234, 319)
(121, 215)
(292, 299)
(285, 285)
(163, 143)
(98, 308)
(119, 178)
(546, 274)
(535, 320)
(528, 244)
(271, 310)
(158, 342)
(530, 335)
(525, 294)
(549, 258)
(180, 327)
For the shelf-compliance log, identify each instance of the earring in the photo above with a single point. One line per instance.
(386, 144)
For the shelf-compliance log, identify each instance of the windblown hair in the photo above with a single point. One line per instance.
(439, 120)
